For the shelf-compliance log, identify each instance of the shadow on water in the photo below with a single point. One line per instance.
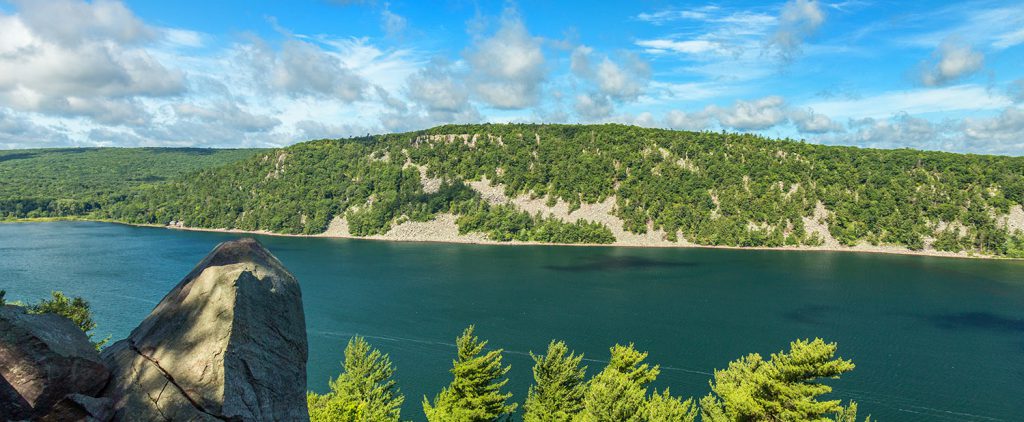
(810, 314)
(977, 320)
(618, 263)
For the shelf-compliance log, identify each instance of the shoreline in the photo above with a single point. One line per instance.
(480, 240)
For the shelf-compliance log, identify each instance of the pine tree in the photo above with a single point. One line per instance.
(365, 391)
(558, 393)
(474, 394)
(781, 389)
(666, 408)
(617, 393)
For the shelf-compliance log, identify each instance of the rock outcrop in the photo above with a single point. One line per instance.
(227, 343)
(44, 359)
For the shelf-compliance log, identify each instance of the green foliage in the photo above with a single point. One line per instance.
(475, 392)
(708, 188)
(784, 388)
(557, 394)
(618, 393)
(505, 223)
(76, 309)
(327, 408)
(666, 408)
(3, 297)
(81, 181)
(1015, 245)
(365, 390)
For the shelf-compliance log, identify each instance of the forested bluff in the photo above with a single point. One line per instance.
(584, 184)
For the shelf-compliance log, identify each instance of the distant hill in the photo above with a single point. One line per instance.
(77, 181)
(604, 184)
(545, 183)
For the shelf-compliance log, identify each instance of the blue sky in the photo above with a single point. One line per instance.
(932, 75)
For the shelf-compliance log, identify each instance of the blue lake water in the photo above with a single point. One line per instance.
(932, 338)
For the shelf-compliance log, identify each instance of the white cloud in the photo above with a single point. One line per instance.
(392, 23)
(437, 87)
(807, 121)
(672, 15)
(1007, 127)
(227, 114)
(72, 22)
(301, 68)
(82, 68)
(1000, 134)
(507, 68)
(16, 128)
(758, 114)
(660, 46)
(799, 19)
(951, 61)
(928, 100)
(593, 106)
(609, 80)
(999, 26)
(680, 120)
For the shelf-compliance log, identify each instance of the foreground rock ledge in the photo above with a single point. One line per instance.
(227, 343)
(43, 359)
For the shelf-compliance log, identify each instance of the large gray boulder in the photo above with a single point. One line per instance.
(43, 358)
(227, 343)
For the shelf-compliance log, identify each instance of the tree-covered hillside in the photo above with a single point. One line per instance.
(76, 181)
(708, 188)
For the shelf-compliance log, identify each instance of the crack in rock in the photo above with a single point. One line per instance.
(170, 379)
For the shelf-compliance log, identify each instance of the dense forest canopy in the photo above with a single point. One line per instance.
(705, 187)
(77, 181)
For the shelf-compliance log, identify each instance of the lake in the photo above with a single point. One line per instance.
(932, 338)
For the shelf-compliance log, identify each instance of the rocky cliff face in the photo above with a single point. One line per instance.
(227, 343)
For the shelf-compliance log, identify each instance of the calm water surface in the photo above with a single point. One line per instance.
(933, 338)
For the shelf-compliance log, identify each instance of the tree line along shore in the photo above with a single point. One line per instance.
(564, 184)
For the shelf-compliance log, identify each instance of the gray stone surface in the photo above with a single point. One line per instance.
(43, 358)
(227, 343)
(78, 407)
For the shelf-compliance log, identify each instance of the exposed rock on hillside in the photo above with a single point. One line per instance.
(43, 358)
(227, 343)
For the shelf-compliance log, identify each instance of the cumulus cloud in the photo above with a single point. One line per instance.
(951, 61)
(999, 134)
(680, 120)
(609, 80)
(82, 22)
(301, 68)
(309, 129)
(438, 88)
(799, 20)
(807, 121)
(1007, 127)
(901, 130)
(623, 81)
(757, 114)
(88, 65)
(227, 114)
(507, 68)
(593, 106)
(15, 129)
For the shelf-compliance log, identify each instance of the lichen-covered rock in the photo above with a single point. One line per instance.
(43, 358)
(227, 343)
